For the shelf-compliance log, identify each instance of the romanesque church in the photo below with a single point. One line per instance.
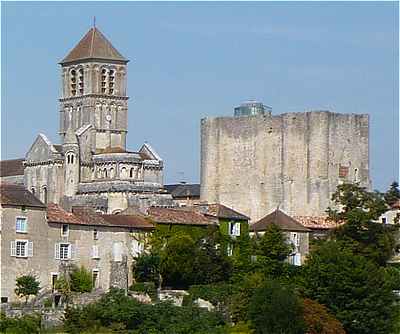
(92, 165)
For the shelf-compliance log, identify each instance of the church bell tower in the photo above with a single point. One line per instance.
(94, 101)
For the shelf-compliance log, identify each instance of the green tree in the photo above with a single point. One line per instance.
(359, 210)
(272, 249)
(393, 194)
(186, 261)
(354, 288)
(81, 280)
(27, 285)
(146, 268)
(275, 309)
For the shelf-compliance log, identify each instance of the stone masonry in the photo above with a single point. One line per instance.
(293, 160)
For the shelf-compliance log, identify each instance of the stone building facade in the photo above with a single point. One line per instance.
(23, 238)
(92, 165)
(294, 160)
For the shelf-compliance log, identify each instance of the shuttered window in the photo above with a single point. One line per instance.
(21, 248)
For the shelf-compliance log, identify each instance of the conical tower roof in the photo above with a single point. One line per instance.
(94, 45)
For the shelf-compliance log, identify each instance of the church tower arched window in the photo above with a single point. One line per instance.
(81, 81)
(107, 81)
(73, 76)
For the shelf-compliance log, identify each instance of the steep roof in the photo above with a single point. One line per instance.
(183, 190)
(178, 216)
(17, 195)
(280, 219)
(12, 167)
(222, 211)
(94, 45)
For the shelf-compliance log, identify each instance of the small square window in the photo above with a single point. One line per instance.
(21, 225)
(4, 300)
(384, 220)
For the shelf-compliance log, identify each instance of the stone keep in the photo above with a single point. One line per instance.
(92, 166)
(293, 160)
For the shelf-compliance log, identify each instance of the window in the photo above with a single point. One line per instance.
(73, 82)
(4, 300)
(54, 278)
(44, 197)
(63, 251)
(33, 191)
(117, 251)
(21, 225)
(64, 230)
(95, 252)
(95, 234)
(384, 220)
(295, 259)
(21, 248)
(234, 229)
(95, 278)
(294, 238)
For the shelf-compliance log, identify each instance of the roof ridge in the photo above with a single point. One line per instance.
(92, 41)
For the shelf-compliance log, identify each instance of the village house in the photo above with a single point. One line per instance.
(295, 233)
(47, 242)
(23, 238)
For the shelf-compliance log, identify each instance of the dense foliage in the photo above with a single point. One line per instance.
(27, 285)
(28, 324)
(81, 280)
(115, 310)
(319, 320)
(275, 309)
(353, 287)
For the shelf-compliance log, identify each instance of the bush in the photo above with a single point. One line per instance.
(145, 287)
(20, 325)
(115, 310)
(27, 285)
(81, 280)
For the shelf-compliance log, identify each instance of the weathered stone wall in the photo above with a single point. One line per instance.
(253, 164)
(82, 239)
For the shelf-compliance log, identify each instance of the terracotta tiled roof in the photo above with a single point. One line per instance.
(12, 194)
(317, 223)
(178, 216)
(280, 219)
(94, 45)
(56, 214)
(128, 221)
(11, 167)
(222, 211)
(87, 216)
(396, 205)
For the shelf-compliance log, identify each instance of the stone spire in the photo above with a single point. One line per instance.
(94, 46)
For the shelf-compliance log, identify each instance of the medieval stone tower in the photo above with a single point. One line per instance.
(293, 160)
(94, 92)
(92, 165)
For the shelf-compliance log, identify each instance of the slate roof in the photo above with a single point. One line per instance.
(94, 45)
(87, 216)
(178, 216)
(280, 219)
(183, 190)
(317, 223)
(17, 195)
(222, 211)
(11, 167)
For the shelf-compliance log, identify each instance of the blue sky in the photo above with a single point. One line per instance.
(190, 60)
